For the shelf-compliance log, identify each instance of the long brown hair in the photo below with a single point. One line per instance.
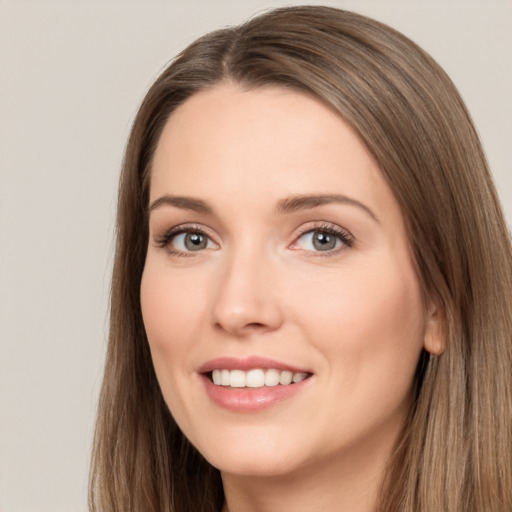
(455, 451)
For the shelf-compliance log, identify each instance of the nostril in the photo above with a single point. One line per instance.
(242, 329)
(255, 325)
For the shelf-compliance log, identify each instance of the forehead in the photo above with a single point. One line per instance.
(273, 126)
(235, 138)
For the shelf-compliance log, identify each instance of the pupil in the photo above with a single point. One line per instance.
(324, 241)
(195, 241)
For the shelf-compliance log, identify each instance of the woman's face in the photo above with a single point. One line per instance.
(277, 251)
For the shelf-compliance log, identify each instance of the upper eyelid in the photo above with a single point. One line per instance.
(325, 226)
(319, 225)
(183, 228)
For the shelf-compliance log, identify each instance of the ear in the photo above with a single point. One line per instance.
(434, 340)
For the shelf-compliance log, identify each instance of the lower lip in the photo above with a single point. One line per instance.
(251, 399)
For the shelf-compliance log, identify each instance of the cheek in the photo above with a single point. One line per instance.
(368, 327)
(369, 319)
(171, 310)
(171, 314)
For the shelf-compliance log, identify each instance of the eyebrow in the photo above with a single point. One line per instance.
(284, 206)
(304, 202)
(185, 203)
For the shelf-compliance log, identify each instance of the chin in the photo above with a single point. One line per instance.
(257, 467)
(252, 457)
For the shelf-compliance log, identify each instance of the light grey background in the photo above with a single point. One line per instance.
(72, 74)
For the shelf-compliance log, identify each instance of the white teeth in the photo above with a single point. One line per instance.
(285, 378)
(256, 378)
(216, 377)
(237, 379)
(271, 378)
(225, 378)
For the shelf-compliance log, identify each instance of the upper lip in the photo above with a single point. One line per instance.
(247, 363)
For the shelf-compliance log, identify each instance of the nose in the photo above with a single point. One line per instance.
(246, 301)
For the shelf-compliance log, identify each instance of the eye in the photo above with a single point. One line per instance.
(324, 239)
(191, 241)
(182, 241)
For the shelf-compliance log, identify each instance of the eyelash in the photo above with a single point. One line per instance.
(343, 235)
(164, 241)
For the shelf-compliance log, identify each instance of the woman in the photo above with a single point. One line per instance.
(311, 301)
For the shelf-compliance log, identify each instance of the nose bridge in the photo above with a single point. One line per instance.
(246, 300)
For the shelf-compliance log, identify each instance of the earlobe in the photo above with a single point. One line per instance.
(434, 340)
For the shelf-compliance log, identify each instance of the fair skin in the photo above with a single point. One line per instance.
(288, 253)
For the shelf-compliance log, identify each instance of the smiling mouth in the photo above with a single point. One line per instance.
(256, 378)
